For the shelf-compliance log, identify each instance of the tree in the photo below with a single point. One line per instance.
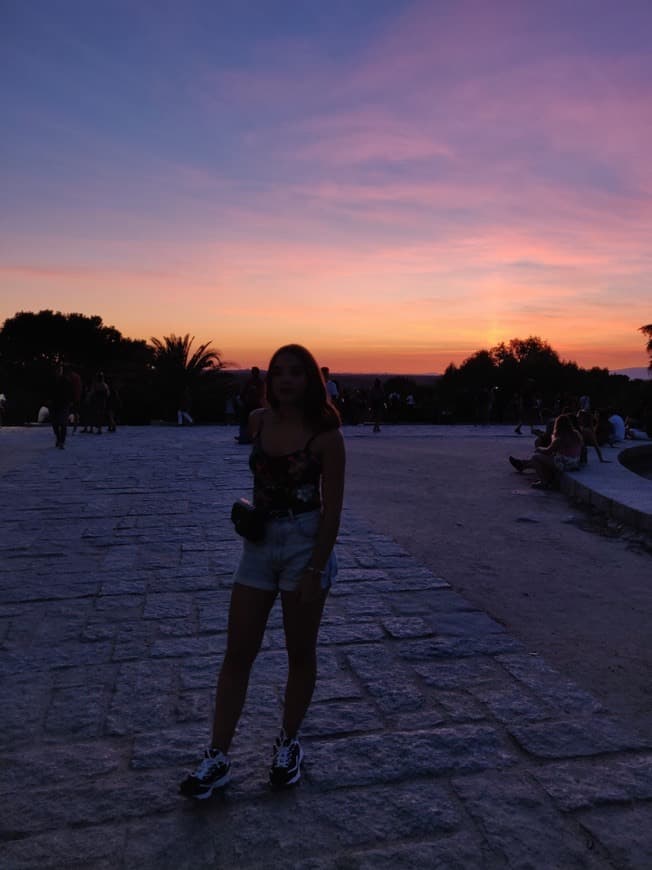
(48, 337)
(647, 331)
(180, 371)
(173, 356)
(31, 343)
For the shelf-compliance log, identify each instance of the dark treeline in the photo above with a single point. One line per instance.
(489, 385)
(150, 381)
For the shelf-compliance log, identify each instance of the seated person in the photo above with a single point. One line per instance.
(586, 426)
(634, 430)
(603, 432)
(563, 454)
(617, 427)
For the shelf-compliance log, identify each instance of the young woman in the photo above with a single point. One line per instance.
(562, 454)
(297, 460)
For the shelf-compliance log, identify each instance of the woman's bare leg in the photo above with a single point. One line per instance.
(248, 614)
(544, 466)
(301, 622)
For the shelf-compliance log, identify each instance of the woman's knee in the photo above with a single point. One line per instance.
(240, 658)
(302, 659)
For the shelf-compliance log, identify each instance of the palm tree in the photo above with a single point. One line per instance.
(173, 356)
(180, 371)
(647, 330)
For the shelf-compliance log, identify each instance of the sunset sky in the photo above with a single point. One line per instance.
(394, 184)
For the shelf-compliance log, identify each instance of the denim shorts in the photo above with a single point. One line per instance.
(278, 561)
(566, 463)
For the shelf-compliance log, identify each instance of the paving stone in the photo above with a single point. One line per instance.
(65, 764)
(569, 738)
(419, 720)
(458, 674)
(144, 697)
(354, 575)
(461, 706)
(63, 655)
(366, 606)
(106, 799)
(97, 847)
(512, 703)
(123, 586)
(95, 631)
(407, 626)
(340, 717)
(575, 785)
(76, 711)
(212, 621)
(167, 605)
(199, 673)
(457, 647)
(24, 710)
(171, 747)
(186, 647)
(339, 688)
(117, 607)
(45, 591)
(518, 822)
(182, 840)
(277, 824)
(455, 852)
(387, 680)
(402, 755)
(360, 632)
(550, 685)
(181, 627)
(625, 832)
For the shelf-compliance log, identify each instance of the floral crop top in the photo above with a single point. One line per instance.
(287, 482)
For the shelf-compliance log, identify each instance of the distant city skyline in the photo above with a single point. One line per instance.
(394, 184)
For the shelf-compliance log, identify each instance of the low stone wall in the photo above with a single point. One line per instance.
(620, 495)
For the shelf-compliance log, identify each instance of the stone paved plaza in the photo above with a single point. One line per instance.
(435, 740)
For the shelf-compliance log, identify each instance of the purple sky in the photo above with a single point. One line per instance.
(395, 185)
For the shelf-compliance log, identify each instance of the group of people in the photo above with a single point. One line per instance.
(70, 403)
(355, 406)
(563, 445)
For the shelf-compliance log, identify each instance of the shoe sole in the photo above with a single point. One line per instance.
(220, 783)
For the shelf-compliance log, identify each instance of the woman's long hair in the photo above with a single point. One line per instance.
(318, 409)
(564, 427)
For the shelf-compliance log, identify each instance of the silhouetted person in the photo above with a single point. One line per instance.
(251, 398)
(331, 386)
(99, 402)
(76, 382)
(183, 411)
(63, 394)
(113, 407)
(377, 403)
(297, 461)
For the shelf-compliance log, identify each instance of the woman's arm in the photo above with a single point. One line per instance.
(551, 448)
(591, 441)
(333, 462)
(254, 422)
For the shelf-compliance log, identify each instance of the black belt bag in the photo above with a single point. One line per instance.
(249, 521)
